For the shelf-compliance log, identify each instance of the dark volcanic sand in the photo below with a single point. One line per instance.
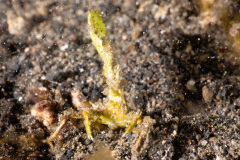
(178, 69)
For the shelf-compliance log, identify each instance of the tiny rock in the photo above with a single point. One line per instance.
(160, 13)
(136, 32)
(207, 94)
(43, 111)
(16, 24)
(191, 85)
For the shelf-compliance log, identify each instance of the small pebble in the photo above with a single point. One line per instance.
(204, 143)
(160, 13)
(207, 94)
(191, 85)
(136, 32)
(16, 25)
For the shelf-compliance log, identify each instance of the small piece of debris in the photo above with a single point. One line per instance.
(207, 94)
